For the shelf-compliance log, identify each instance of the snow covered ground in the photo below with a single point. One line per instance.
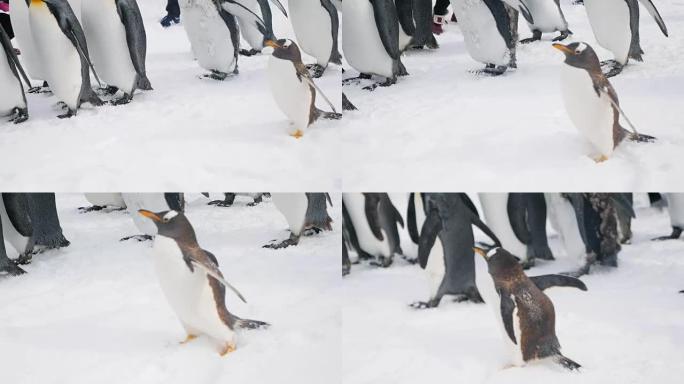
(512, 132)
(187, 134)
(94, 312)
(627, 328)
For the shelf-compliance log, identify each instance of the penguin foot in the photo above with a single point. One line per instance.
(612, 68)
(676, 233)
(346, 269)
(315, 70)
(70, 113)
(19, 115)
(600, 159)
(312, 231)
(123, 100)
(493, 70)
(249, 52)
(221, 203)
(93, 208)
(26, 258)
(292, 241)
(563, 35)
(137, 237)
(215, 75)
(228, 348)
(188, 339)
(108, 91)
(410, 260)
(12, 269)
(356, 80)
(527, 264)
(536, 36)
(37, 90)
(346, 104)
(297, 134)
(433, 303)
(382, 261)
(386, 83)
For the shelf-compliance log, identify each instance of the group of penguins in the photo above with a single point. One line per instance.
(592, 227)
(63, 41)
(377, 32)
(188, 275)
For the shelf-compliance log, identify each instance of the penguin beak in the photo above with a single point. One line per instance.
(272, 44)
(480, 252)
(149, 215)
(563, 48)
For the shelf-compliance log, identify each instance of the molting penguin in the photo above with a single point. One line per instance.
(118, 44)
(373, 221)
(13, 98)
(303, 211)
(63, 50)
(616, 27)
(548, 17)
(293, 89)
(193, 283)
(526, 315)
(100, 201)
(150, 201)
(675, 207)
(316, 25)
(591, 101)
(24, 37)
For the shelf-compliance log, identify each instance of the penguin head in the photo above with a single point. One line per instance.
(171, 223)
(285, 49)
(500, 262)
(580, 55)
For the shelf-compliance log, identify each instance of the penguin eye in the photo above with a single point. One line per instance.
(165, 220)
(577, 51)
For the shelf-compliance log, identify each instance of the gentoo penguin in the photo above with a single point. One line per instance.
(229, 199)
(63, 50)
(548, 17)
(591, 101)
(675, 207)
(13, 98)
(150, 201)
(373, 221)
(100, 201)
(487, 31)
(497, 209)
(445, 248)
(415, 20)
(528, 211)
(316, 25)
(370, 40)
(293, 89)
(346, 104)
(6, 265)
(24, 38)
(118, 44)
(303, 211)
(616, 27)
(251, 33)
(193, 283)
(526, 315)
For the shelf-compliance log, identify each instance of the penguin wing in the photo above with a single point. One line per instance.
(267, 17)
(388, 26)
(547, 281)
(207, 262)
(623, 204)
(350, 230)
(469, 204)
(428, 236)
(405, 15)
(278, 5)
(522, 8)
(130, 16)
(411, 221)
(12, 59)
(304, 75)
(335, 28)
(396, 216)
(244, 13)
(507, 307)
(650, 7)
(517, 216)
(372, 201)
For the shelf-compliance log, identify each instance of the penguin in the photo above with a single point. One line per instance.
(293, 89)
(526, 315)
(193, 283)
(13, 98)
(548, 17)
(445, 248)
(499, 213)
(373, 221)
(615, 24)
(16, 223)
(316, 26)
(303, 212)
(528, 210)
(63, 50)
(229, 199)
(7, 266)
(150, 201)
(564, 219)
(116, 36)
(591, 101)
(415, 20)
(100, 201)
(370, 41)
(486, 27)
(415, 215)
(675, 207)
(255, 37)
(24, 38)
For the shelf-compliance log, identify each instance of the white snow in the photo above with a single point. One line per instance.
(94, 312)
(188, 133)
(625, 329)
(444, 128)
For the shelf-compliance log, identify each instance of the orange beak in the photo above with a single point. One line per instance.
(272, 44)
(149, 215)
(563, 48)
(480, 252)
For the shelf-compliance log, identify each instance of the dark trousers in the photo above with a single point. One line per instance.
(441, 7)
(6, 24)
(172, 8)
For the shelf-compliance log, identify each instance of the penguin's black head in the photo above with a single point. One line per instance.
(285, 49)
(171, 224)
(500, 262)
(580, 55)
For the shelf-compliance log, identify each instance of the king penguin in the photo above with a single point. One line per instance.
(13, 98)
(415, 20)
(591, 101)
(150, 201)
(497, 210)
(615, 24)
(548, 17)
(24, 38)
(116, 36)
(293, 88)
(193, 283)
(63, 50)
(316, 25)
(303, 212)
(675, 207)
(251, 33)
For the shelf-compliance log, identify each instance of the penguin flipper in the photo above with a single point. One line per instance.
(335, 56)
(13, 60)
(386, 19)
(548, 281)
(650, 7)
(517, 215)
(623, 204)
(244, 13)
(136, 39)
(411, 219)
(507, 307)
(405, 15)
(372, 202)
(207, 262)
(521, 7)
(428, 236)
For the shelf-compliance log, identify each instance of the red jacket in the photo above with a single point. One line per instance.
(4, 7)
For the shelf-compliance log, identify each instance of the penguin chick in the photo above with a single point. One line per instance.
(192, 282)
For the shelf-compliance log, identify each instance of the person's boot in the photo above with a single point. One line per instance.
(437, 23)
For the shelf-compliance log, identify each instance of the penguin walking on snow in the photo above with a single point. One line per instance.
(63, 50)
(303, 212)
(591, 101)
(293, 88)
(13, 98)
(526, 315)
(150, 201)
(193, 283)
(316, 25)
(548, 17)
(118, 45)
(615, 24)
(675, 207)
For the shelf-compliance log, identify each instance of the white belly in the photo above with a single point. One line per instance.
(292, 96)
(609, 20)
(187, 292)
(593, 116)
(420, 211)
(436, 268)
(106, 36)
(361, 42)
(494, 208)
(675, 202)
(10, 234)
(63, 63)
(293, 206)
(209, 36)
(482, 39)
(11, 95)
(106, 199)
(22, 32)
(564, 220)
(249, 32)
(313, 28)
(547, 16)
(154, 202)
(355, 204)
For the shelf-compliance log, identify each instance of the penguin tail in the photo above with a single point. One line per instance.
(640, 137)
(328, 115)
(566, 363)
(251, 324)
(336, 58)
(144, 83)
